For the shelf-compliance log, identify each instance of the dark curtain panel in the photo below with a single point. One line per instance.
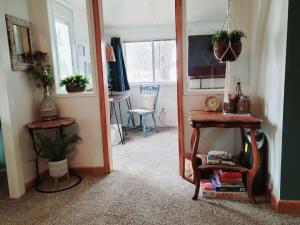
(118, 74)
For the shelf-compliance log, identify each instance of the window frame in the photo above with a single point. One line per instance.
(58, 92)
(164, 83)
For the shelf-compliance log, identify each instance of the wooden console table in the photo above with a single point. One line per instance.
(38, 125)
(200, 119)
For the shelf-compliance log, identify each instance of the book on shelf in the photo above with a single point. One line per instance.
(215, 161)
(227, 174)
(237, 114)
(241, 196)
(220, 154)
(207, 190)
(226, 187)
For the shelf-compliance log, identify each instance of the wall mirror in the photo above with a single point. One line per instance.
(20, 40)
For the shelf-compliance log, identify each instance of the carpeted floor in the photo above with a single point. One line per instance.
(143, 189)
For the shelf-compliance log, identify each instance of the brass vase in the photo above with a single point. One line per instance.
(48, 108)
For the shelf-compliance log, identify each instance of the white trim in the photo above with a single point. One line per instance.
(14, 165)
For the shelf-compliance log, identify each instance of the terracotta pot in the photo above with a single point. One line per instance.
(221, 47)
(74, 88)
(58, 169)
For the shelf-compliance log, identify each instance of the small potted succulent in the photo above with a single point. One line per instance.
(56, 152)
(227, 45)
(75, 83)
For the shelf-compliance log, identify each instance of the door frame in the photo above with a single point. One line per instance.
(103, 86)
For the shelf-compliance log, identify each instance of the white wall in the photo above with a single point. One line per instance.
(17, 107)
(268, 50)
(85, 109)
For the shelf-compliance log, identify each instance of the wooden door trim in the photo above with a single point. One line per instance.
(103, 89)
(102, 83)
(180, 81)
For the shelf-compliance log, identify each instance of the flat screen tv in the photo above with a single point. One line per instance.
(202, 63)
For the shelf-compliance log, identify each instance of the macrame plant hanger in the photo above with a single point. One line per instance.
(227, 25)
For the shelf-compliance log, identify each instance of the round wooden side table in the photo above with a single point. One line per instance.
(39, 125)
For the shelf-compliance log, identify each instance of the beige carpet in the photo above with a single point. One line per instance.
(144, 189)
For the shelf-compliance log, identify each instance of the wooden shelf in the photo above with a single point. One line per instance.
(205, 166)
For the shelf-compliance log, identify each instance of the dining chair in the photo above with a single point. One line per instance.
(149, 98)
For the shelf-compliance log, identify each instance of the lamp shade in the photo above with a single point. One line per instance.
(110, 55)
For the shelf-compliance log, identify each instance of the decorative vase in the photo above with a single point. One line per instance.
(231, 55)
(58, 168)
(48, 108)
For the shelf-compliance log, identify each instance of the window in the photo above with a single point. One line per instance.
(151, 61)
(70, 39)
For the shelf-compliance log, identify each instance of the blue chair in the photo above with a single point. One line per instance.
(149, 97)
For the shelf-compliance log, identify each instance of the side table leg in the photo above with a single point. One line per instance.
(195, 143)
(255, 166)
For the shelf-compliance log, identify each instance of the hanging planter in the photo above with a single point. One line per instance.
(227, 45)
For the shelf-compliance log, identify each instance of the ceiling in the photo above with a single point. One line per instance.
(126, 13)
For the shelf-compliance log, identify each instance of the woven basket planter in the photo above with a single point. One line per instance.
(75, 88)
(231, 55)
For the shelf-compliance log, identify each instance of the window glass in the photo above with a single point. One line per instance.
(64, 49)
(139, 62)
(151, 61)
(165, 61)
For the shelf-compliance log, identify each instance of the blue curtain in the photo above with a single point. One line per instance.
(118, 74)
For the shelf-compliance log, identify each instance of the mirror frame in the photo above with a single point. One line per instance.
(10, 22)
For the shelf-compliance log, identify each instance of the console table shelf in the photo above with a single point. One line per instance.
(201, 119)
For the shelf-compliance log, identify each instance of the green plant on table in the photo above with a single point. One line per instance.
(75, 80)
(57, 149)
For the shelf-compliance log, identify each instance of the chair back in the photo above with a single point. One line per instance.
(152, 89)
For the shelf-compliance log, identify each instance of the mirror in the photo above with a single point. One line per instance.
(20, 42)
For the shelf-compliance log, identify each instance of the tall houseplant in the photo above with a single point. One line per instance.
(42, 73)
(56, 151)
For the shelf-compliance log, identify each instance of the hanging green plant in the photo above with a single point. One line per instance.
(227, 45)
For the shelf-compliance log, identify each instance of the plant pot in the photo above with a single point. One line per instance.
(70, 88)
(231, 55)
(58, 168)
(48, 108)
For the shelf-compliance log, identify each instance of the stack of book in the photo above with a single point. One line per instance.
(220, 158)
(224, 184)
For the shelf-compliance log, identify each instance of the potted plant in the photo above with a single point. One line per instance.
(42, 73)
(75, 83)
(56, 152)
(227, 45)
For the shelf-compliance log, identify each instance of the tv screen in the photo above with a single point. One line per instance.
(202, 63)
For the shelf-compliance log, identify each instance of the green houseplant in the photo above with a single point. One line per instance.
(227, 45)
(75, 83)
(56, 151)
(42, 74)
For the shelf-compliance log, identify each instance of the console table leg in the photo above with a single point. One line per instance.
(197, 177)
(255, 166)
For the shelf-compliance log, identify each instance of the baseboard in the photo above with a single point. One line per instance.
(284, 206)
(93, 171)
(30, 184)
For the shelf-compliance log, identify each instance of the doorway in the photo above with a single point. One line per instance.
(148, 54)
